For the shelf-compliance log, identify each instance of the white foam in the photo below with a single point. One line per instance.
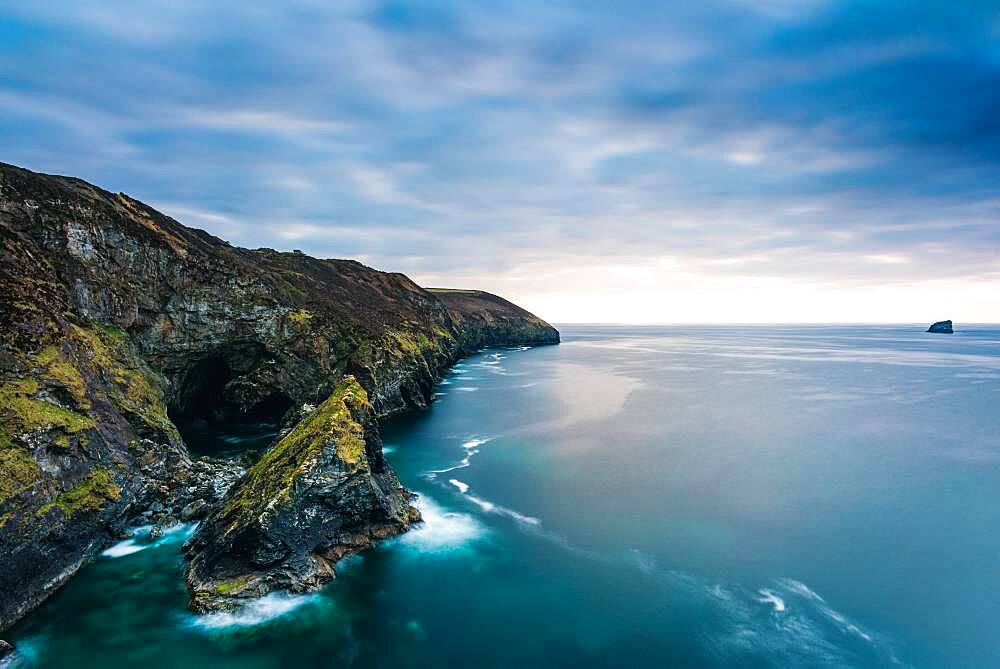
(123, 548)
(490, 507)
(462, 487)
(462, 464)
(171, 534)
(824, 608)
(254, 612)
(768, 597)
(388, 449)
(800, 588)
(467, 389)
(471, 447)
(440, 530)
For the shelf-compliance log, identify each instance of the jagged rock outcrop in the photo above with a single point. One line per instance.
(323, 492)
(941, 327)
(117, 321)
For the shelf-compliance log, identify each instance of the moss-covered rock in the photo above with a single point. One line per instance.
(20, 472)
(324, 491)
(90, 494)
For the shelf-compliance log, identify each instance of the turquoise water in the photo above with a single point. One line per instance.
(710, 496)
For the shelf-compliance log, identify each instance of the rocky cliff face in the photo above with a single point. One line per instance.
(323, 492)
(117, 322)
(485, 320)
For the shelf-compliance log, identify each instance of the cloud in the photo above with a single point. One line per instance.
(834, 144)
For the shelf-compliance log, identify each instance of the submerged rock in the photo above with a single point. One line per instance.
(5, 649)
(943, 327)
(323, 492)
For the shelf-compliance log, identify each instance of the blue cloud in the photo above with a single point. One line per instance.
(439, 136)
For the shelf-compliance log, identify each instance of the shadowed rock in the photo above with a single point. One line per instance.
(943, 327)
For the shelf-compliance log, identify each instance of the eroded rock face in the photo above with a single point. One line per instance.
(485, 320)
(941, 327)
(323, 492)
(115, 320)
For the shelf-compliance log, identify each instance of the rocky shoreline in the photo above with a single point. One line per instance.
(118, 321)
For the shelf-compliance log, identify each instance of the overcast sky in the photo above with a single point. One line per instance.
(734, 161)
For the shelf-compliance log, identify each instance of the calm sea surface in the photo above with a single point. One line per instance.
(678, 496)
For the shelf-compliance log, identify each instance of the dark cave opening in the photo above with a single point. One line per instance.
(215, 418)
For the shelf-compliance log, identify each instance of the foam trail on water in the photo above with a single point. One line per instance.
(838, 618)
(490, 507)
(462, 464)
(768, 597)
(123, 548)
(173, 534)
(254, 612)
(471, 446)
(462, 487)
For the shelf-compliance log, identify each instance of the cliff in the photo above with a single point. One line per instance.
(485, 320)
(119, 323)
(323, 492)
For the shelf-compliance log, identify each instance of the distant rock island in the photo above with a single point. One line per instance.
(117, 323)
(943, 327)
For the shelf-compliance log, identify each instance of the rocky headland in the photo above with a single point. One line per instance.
(941, 327)
(118, 323)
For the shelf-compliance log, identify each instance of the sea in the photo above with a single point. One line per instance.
(684, 496)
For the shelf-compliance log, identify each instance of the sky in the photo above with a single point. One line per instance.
(637, 162)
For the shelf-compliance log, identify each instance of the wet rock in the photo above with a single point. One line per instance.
(5, 649)
(163, 522)
(323, 492)
(194, 511)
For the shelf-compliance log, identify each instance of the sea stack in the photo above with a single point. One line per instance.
(942, 327)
